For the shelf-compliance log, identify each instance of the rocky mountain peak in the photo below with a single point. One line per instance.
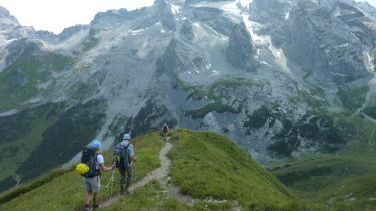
(110, 17)
(187, 2)
(6, 18)
(240, 48)
(164, 13)
(187, 30)
(70, 31)
(265, 11)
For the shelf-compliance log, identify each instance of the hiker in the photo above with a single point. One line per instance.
(124, 157)
(165, 130)
(92, 182)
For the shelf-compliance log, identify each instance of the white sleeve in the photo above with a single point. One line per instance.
(131, 150)
(100, 159)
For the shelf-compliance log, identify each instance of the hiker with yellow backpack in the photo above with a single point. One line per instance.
(92, 162)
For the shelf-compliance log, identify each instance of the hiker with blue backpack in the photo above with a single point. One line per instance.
(124, 156)
(92, 162)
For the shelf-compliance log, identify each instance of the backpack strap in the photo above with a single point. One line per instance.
(126, 147)
(97, 170)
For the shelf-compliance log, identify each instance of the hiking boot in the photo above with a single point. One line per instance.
(95, 207)
(124, 191)
(86, 207)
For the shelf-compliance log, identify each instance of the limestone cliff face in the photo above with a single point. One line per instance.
(240, 48)
(323, 45)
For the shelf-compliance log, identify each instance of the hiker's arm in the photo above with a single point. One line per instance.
(104, 168)
(131, 153)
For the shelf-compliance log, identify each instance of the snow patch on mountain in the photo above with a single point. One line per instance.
(233, 8)
(212, 46)
(266, 40)
(287, 16)
(227, 6)
(3, 52)
(175, 9)
(369, 61)
(9, 113)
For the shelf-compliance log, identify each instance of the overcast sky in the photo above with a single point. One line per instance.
(55, 15)
(372, 2)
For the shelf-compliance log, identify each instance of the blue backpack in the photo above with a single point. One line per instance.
(121, 156)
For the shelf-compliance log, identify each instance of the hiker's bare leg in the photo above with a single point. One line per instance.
(87, 198)
(95, 199)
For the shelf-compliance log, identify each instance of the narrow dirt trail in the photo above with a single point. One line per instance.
(156, 174)
(174, 193)
(161, 175)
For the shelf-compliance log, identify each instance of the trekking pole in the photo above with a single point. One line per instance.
(134, 170)
(108, 183)
(112, 182)
(109, 180)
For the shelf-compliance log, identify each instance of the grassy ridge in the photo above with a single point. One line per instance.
(206, 164)
(66, 192)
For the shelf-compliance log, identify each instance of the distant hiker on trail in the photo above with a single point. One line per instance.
(123, 157)
(165, 130)
(92, 162)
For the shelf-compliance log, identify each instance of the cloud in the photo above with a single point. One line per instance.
(55, 15)
(371, 2)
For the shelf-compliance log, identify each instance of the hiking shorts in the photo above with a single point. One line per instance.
(93, 184)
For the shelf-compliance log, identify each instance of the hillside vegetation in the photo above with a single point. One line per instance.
(32, 143)
(204, 165)
(340, 182)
